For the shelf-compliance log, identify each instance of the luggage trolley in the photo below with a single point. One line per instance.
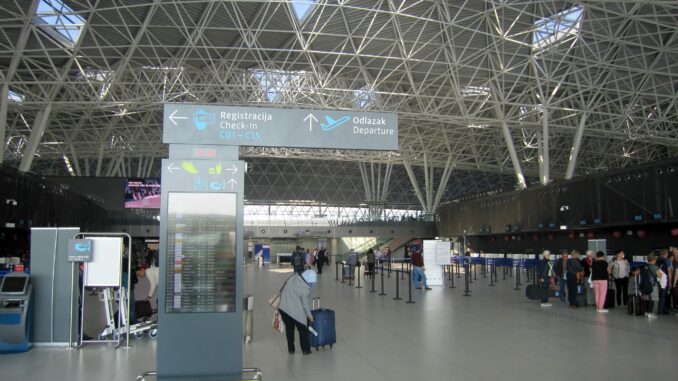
(100, 256)
(109, 296)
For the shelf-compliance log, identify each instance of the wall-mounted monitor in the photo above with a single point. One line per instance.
(142, 193)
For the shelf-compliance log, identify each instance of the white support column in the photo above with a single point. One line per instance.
(16, 58)
(140, 164)
(415, 185)
(149, 169)
(74, 161)
(375, 182)
(544, 159)
(512, 149)
(100, 159)
(3, 118)
(34, 139)
(576, 144)
(443, 183)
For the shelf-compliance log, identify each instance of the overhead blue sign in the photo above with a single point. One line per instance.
(277, 127)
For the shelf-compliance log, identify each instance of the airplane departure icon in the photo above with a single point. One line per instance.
(332, 124)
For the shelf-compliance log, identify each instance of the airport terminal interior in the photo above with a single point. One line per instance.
(338, 190)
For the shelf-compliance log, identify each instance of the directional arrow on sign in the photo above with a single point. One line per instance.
(171, 168)
(311, 118)
(173, 117)
(233, 169)
(233, 183)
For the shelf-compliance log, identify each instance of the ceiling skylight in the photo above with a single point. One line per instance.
(363, 97)
(15, 97)
(274, 83)
(558, 28)
(302, 9)
(59, 21)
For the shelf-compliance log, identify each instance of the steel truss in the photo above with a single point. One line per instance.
(472, 89)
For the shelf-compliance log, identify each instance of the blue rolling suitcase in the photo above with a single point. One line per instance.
(324, 326)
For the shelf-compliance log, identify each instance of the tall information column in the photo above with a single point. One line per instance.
(201, 240)
(201, 226)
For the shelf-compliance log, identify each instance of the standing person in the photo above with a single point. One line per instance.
(600, 272)
(320, 260)
(575, 275)
(296, 311)
(665, 263)
(586, 263)
(649, 285)
(352, 262)
(545, 272)
(371, 261)
(620, 273)
(308, 259)
(560, 269)
(418, 273)
(298, 260)
(674, 284)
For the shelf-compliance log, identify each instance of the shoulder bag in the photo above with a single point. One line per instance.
(274, 301)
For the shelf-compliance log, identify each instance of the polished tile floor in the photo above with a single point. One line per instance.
(494, 334)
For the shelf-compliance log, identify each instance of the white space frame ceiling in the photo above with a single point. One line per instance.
(488, 92)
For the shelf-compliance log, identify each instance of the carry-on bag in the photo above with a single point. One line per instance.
(635, 305)
(323, 325)
(534, 292)
(610, 297)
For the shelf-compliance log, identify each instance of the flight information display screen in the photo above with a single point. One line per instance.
(201, 252)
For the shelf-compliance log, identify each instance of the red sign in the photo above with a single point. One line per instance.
(19, 268)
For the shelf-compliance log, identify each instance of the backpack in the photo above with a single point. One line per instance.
(646, 285)
(298, 258)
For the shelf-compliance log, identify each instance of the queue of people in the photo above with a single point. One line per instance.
(593, 280)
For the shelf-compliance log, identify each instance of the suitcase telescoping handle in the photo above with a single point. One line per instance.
(315, 303)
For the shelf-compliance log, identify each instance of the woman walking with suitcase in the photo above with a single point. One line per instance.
(295, 309)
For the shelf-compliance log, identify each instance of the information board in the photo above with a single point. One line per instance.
(201, 253)
(443, 253)
(105, 269)
(434, 272)
(278, 127)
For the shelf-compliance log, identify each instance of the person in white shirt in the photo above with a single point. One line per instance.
(620, 270)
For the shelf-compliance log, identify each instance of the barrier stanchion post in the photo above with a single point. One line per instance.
(458, 267)
(527, 273)
(466, 279)
(493, 264)
(450, 276)
(397, 288)
(475, 271)
(343, 272)
(358, 277)
(534, 275)
(504, 276)
(374, 276)
(389, 268)
(409, 288)
(382, 281)
(483, 268)
(336, 272)
(517, 277)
